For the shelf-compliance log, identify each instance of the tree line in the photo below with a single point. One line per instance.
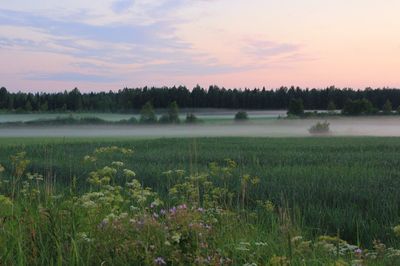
(127, 99)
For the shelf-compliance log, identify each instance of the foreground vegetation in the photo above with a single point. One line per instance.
(91, 207)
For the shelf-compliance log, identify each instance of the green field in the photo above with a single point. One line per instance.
(328, 186)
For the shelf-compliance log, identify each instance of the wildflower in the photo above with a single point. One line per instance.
(396, 230)
(358, 252)
(279, 260)
(103, 223)
(117, 164)
(203, 245)
(182, 207)
(357, 263)
(172, 210)
(129, 173)
(134, 208)
(89, 158)
(84, 237)
(341, 262)
(157, 202)
(256, 180)
(177, 237)
(200, 210)
(243, 246)
(269, 206)
(5, 201)
(159, 261)
(162, 212)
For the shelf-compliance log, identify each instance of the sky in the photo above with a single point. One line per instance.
(49, 45)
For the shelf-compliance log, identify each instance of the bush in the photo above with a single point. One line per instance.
(296, 107)
(173, 113)
(91, 120)
(241, 115)
(331, 107)
(147, 114)
(133, 120)
(320, 128)
(387, 108)
(191, 119)
(164, 119)
(358, 107)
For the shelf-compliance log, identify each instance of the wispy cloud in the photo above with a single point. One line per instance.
(263, 49)
(70, 76)
(120, 6)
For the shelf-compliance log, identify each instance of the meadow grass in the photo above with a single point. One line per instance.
(346, 187)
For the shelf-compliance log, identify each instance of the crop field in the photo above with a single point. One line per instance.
(345, 187)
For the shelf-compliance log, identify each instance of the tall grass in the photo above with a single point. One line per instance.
(213, 216)
(348, 185)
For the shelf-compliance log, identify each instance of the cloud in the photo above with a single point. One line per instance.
(70, 76)
(120, 6)
(117, 33)
(103, 46)
(267, 49)
(118, 43)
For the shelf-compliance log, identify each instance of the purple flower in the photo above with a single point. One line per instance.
(162, 212)
(200, 209)
(140, 223)
(160, 261)
(358, 251)
(172, 210)
(182, 207)
(103, 223)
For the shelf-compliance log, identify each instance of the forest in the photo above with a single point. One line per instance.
(129, 99)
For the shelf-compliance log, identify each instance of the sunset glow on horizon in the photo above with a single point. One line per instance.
(112, 44)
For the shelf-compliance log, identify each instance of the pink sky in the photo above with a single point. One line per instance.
(57, 45)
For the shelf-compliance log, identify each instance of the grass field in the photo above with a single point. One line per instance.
(206, 115)
(328, 186)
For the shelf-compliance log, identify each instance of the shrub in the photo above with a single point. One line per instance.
(173, 113)
(358, 107)
(191, 118)
(331, 107)
(133, 120)
(387, 107)
(147, 114)
(320, 128)
(92, 120)
(164, 119)
(241, 115)
(296, 107)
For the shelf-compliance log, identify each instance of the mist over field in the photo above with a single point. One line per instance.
(358, 126)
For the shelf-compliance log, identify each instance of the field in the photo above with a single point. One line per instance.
(345, 187)
(207, 115)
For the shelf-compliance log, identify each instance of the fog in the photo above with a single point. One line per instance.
(204, 113)
(362, 126)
